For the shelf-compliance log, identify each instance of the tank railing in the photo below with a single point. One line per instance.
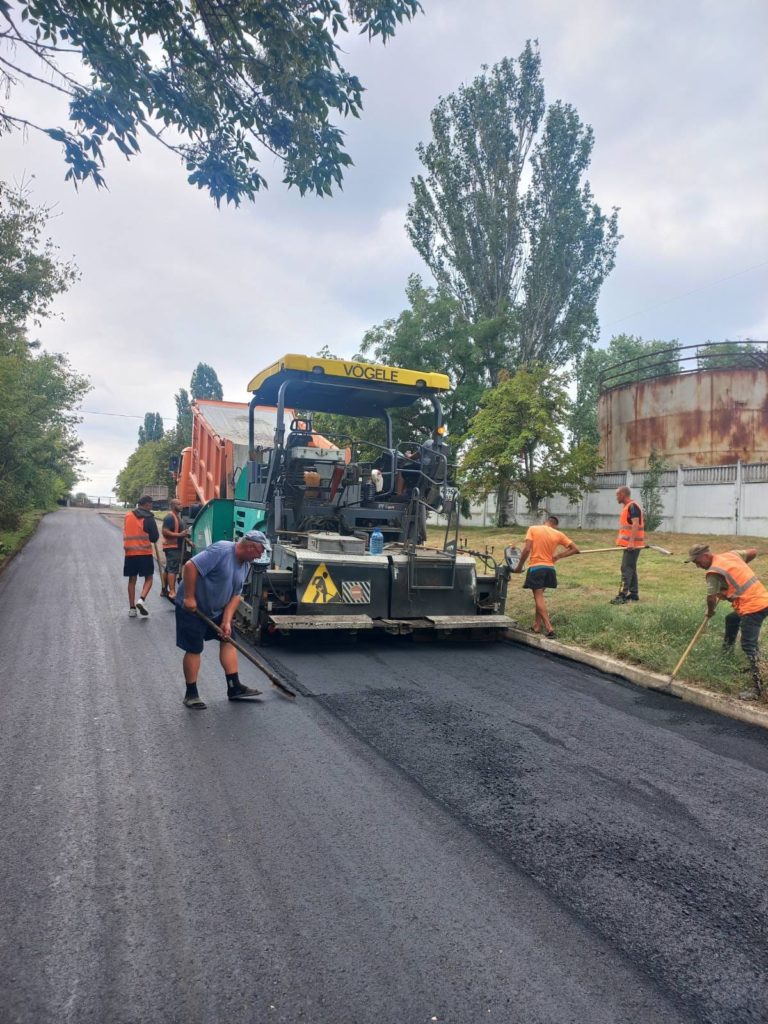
(678, 360)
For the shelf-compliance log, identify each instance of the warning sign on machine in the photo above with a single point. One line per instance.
(321, 589)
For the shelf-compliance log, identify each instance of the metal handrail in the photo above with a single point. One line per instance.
(708, 355)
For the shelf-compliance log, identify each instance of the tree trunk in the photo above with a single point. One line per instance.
(502, 500)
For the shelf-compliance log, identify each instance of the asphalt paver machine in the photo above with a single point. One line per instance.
(319, 498)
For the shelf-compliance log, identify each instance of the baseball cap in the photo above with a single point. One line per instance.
(255, 537)
(696, 550)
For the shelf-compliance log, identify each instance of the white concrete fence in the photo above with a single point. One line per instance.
(730, 499)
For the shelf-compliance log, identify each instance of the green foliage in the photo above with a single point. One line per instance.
(205, 383)
(341, 430)
(732, 354)
(39, 391)
(147, 466)
(30, 274)
(183, 418)
(150, 466)
(213, 82)
(629, 358)
(518, 439)
(152, 428)
(40, 454)
(526, 261)
(13, 540)
(432, 335)
(650, 492)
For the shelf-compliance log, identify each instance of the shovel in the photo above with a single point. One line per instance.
(647, 547)
(254, 659)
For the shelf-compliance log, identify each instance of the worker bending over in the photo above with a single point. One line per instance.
(212, 582)
(541, 543)
(729, 578)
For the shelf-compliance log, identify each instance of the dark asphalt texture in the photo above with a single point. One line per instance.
(447, 833)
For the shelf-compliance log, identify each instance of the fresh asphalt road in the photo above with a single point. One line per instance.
(428, 833)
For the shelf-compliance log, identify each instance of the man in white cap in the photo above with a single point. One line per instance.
(212, 582)
(729, 578)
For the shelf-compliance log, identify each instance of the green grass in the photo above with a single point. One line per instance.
(652, 633)
(12, 541)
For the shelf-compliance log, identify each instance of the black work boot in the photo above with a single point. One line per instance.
(620, 599)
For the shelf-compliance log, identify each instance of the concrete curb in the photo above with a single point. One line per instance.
(723, 705)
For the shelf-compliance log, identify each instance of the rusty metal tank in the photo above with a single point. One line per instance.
(704, 417)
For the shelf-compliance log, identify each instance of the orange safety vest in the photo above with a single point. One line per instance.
(135, 540)
(625, 527)
(745, 591)
(172, 543)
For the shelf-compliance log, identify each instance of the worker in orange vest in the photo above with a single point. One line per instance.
(173, 542)
(631, 537)
(139, 534)
(729, 578)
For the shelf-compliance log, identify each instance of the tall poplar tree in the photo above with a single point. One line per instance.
(505, 220)
(205, 383)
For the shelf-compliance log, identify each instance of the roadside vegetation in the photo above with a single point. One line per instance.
(12, 541)
(652, 633)
(40, 392)
(149, 463)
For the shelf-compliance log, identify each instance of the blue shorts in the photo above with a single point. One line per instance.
(192, 632)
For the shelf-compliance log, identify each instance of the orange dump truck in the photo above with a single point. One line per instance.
(211, 466)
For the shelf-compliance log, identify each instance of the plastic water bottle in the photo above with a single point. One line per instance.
(376, 543)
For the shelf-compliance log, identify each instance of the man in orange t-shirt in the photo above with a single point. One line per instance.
(541, 543)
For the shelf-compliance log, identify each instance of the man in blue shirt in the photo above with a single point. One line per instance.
(212, 582)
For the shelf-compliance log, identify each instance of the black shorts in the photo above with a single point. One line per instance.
(139, 565)
(192, 632)
(544, 578)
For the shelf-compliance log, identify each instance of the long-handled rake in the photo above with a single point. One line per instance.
(512, 554)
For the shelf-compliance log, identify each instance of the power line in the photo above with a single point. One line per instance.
(123, 415)
(693, 291)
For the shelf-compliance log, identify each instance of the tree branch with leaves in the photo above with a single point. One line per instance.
(214, 81)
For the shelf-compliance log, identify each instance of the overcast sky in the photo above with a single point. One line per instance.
(677, 96)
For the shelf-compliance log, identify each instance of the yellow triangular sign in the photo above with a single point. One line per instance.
(321, 589)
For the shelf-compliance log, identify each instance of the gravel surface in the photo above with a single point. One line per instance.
(451, 834)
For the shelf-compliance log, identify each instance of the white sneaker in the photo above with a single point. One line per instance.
(143, 610)
(132, 613)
